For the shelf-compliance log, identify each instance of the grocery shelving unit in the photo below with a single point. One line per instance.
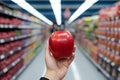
(95, 64)
(11, 14)
(18, 41)
(102, 48)
(18, 37)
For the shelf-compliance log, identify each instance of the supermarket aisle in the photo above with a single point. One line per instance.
(81, 69)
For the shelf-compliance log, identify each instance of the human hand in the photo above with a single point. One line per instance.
(56, 69)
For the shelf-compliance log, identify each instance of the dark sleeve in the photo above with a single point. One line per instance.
(44, 78)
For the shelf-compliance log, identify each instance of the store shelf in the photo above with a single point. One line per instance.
(14, 51)
(95, 64)
(17, 16)
(10, 66)
(108, 38)
(10, 53)
(16, 38)
(13, 64)
(3, 26)
(24, 67)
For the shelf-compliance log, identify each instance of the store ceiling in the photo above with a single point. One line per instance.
(44, 7)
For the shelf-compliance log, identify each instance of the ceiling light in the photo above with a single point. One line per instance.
(33, 11)
(87, 4)
(56, 6)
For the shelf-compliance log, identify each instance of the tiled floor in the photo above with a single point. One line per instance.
(80, 69)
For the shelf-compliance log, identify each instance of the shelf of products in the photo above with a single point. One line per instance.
(11, 52)
(109, 40)
(103, 45)
(2, 26)
(10, 66)
(11, 12)
(17, 38)
(20, 37)
(12, 18)
(10, 62)
(95, 64)
(26, 51)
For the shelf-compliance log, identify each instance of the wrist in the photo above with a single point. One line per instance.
(51, 75)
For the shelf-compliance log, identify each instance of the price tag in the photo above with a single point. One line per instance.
(11, 52)
(2, 56)
(5, 26)
(11, 38)
(2, 26)
(2, 40)
(5, 70)
(16, 61)
(19, 48)
(13, 64)
(108, 60)
(10, 26)
(119, 69)
(113, 64)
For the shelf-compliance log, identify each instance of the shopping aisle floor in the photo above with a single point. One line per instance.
(80, 69)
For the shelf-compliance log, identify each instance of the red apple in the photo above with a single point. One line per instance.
(61, 44)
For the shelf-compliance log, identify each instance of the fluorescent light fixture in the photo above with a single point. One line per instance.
(30, 9)
(56, 6)
(87, 4)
